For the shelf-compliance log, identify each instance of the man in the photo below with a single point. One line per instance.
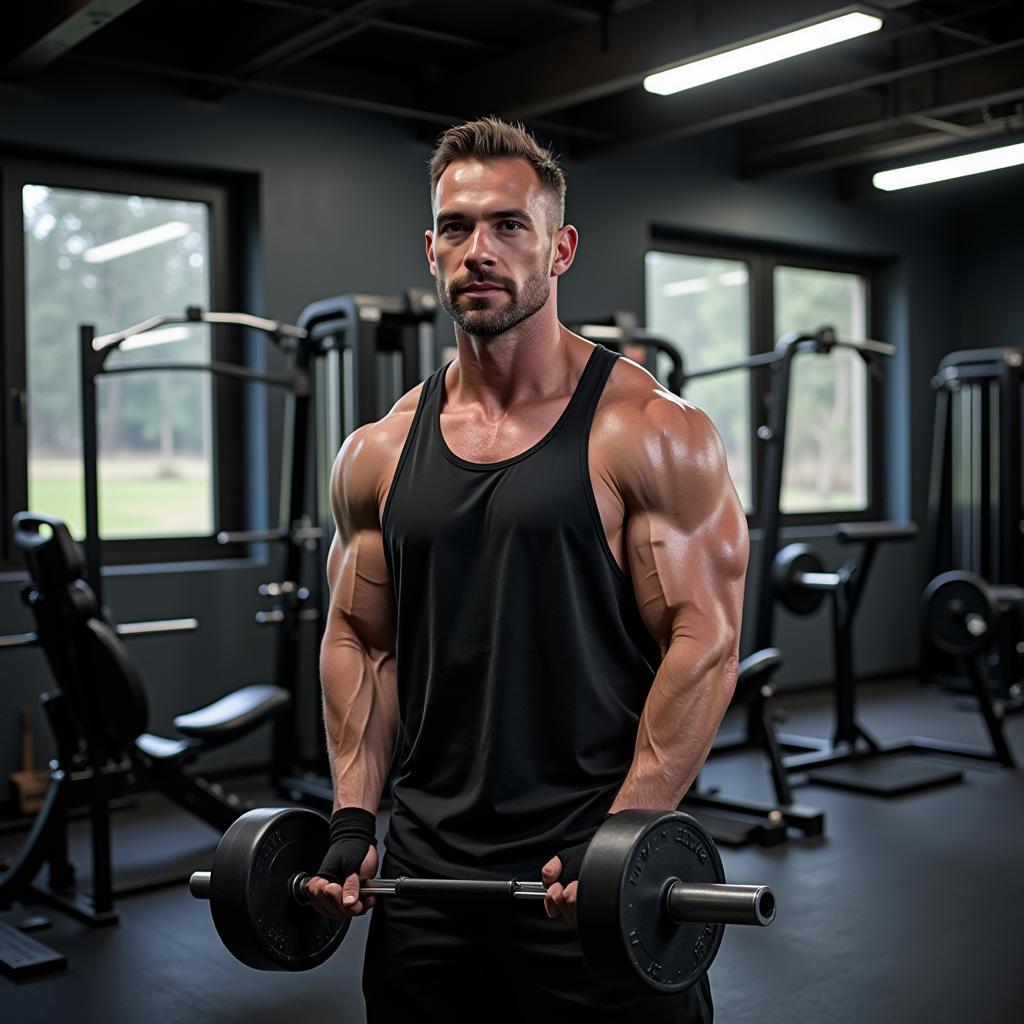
(538, 571)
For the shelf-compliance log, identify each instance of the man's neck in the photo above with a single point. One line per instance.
(527, 363)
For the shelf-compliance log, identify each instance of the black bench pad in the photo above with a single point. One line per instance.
(234, 714)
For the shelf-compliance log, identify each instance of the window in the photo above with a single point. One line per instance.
(720, 305)
(111, 251)
(826, 431)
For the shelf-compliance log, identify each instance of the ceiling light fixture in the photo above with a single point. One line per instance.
(765, 51)
(951, 167)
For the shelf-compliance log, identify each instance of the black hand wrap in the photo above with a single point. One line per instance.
(572, 860)
(353, 832)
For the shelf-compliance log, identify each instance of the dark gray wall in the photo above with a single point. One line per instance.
(990, 254)
(342, 206)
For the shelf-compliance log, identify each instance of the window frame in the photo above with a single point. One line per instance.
(761, 259)
(228, 463)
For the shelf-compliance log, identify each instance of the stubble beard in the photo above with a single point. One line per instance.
(476, 318)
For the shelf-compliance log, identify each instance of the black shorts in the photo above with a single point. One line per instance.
(453, 962)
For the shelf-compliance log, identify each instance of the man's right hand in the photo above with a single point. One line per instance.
(342, 901)
(351, 856)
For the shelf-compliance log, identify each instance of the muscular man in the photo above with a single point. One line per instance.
(536, 582)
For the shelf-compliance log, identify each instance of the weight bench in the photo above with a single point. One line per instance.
(99, 716)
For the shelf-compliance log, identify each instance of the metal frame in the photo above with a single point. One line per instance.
(95, 350)
(975, 501)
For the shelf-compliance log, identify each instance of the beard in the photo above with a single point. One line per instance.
(477, 317)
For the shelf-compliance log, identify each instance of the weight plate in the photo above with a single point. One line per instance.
(253, 909)
(788, 561)
(959, 613)
(625, 931)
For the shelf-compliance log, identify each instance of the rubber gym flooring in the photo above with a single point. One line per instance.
(908, 910)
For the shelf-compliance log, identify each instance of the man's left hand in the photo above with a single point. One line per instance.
(561, 899)
(561, 875)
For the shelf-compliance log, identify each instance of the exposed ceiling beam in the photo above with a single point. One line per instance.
(296, 46)
(577, 67)
(36, 34)
(795, 102)
(397, 27)
(395, 108)
(995, 82)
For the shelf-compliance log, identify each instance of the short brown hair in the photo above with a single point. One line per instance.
(490, 138)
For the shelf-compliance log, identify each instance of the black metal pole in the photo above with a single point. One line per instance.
(938, 483)
(90, 459)
(774, 439)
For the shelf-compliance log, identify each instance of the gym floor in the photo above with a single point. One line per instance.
(907, 910)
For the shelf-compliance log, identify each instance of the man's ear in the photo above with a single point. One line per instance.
(564, 250)
(428, 238)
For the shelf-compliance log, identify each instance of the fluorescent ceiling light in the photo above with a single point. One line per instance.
(135, 243)
(951, 167)
(765, 51)
(159, 337)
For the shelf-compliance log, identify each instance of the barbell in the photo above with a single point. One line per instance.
(652, 901)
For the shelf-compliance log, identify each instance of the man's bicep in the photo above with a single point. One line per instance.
(686, 533)
(362, 598)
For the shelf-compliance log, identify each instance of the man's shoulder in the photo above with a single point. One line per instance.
(635, 409)
(384, 438)
(661, 451)
(369, 455)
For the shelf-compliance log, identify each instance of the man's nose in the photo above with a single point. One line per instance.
(479, 252)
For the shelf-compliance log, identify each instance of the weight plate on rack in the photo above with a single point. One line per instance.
(959, 613)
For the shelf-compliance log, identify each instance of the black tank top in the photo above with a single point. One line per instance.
(522, 660)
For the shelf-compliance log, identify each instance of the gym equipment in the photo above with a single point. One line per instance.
(976, 506)
(652, 900)
(98, 713)
(773, 436)
(298, 534)
(347, 356)
(962, 616)
(94, 354)
(621, 330)
(853, 758)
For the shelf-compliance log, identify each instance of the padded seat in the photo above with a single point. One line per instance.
(160, 748)
(234, 714)
(758, 666)
(856, 533)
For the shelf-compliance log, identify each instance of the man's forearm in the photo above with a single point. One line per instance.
(688, 698)
(361, 718)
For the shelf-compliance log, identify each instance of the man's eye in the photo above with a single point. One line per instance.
(451, 228)
(511, 225)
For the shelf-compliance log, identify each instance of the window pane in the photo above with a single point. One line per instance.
(114, 260)
(827, 429)
(702, 305)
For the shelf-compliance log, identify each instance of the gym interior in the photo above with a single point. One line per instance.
(803, 217)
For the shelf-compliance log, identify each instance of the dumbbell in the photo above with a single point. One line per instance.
(652, 901)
